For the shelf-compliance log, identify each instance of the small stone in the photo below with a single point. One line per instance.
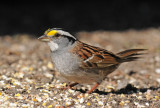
(158, 80)
(156, 98)
(30, 68)
(81, 100)
(25, 69)
(136, 103)
(147, 104)
(122, 95)
(80, 96)
(110, 87)
(69, 103)
(2, 83)
(143, 71)
(50, 65)
(127, 101)
(48, 75)
(157, 58)
(44, 68)
(157, 70)
(148, 97)
(88, 103)
(114, 102)
(12, 104)
(50, 106)
(100, 103)
(71, 91)
(16, 83)
(25, 105)
(44, 104)
(86, 94)
(34, 99)
(17, 94)
(139, 97)
(122, 103)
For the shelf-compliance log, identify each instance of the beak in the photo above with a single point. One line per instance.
(44, 38)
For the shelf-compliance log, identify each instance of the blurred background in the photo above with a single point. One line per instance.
(115, 15)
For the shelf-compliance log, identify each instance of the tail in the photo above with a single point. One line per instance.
(130, 55)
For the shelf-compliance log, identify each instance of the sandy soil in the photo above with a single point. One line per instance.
(27, 73)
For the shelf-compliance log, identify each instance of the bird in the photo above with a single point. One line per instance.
(81, 63)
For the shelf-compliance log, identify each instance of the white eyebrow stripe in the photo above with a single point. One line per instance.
(66, 33)
(91, 57)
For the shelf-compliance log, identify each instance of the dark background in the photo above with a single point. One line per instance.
(115, 15)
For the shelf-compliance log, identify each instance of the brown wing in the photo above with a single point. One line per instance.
(94, 57)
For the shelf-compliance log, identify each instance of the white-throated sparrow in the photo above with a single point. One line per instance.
(79, 62)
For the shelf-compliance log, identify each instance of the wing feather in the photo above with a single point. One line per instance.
(94, 57)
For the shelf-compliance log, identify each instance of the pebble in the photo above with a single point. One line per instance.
(157, 70)
(122, 103)
(147, 104)
(81, 100)
(88, 103)
(158, 80)
(100, 103)
(48, 75)
(44, 68)
(44, 104)
(50, 65)
(50, 106)
(17, 95)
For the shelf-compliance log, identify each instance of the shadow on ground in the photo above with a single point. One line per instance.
(129, 89)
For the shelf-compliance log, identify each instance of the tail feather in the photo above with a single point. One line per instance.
(130, 55)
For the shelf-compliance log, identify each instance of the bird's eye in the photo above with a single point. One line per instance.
(57, 35)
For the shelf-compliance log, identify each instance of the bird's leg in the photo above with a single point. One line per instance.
(71, 85)
(93, 88)
(90, 91)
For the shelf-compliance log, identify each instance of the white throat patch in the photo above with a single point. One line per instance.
(53, 46)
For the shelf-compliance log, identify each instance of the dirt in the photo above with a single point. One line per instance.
(27, 73)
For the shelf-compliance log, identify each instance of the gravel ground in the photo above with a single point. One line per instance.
(27, 73)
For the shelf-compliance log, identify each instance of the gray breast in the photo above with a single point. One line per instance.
(65, 63)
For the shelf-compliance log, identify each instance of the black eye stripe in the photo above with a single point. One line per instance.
(72, 40)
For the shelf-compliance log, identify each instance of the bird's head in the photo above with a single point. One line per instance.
(57, 38)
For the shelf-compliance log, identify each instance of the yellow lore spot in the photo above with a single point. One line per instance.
(51, 33)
